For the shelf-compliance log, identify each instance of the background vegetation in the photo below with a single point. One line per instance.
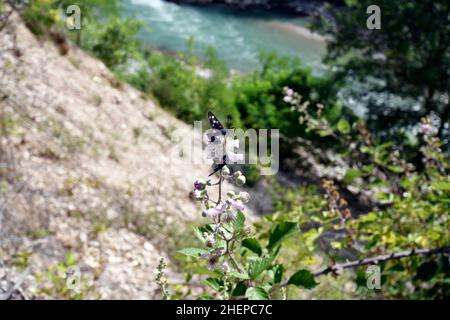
(396, 156)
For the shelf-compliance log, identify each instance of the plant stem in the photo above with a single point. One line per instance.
(235, 263)
(220, 187)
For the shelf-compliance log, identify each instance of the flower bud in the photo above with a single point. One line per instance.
(231, 194)
(198, 195)
(200, 184)
(244, 196)
(226, 171)
(248, 230)
(240, 181)
(209, 239)
(287, 99)
(229, 216)
(237, 174)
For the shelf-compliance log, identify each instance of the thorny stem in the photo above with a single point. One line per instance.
(207, 198)
(233, 259)
(229, 251)
(231, 256)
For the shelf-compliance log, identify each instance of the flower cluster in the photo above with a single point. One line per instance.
(431, 150)
(161, 279)
(313, 123)
(223, 211)
(221, 146)
(336, 204)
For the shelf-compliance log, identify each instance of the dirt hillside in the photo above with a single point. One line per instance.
(87, 170)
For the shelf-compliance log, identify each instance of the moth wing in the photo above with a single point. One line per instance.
(214, 122)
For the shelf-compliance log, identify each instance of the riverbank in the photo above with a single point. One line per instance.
(238, 36)
(297, 31)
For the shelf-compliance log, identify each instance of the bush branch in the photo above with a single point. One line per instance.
(374, 260)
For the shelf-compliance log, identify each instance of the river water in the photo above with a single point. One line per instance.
(237, 36)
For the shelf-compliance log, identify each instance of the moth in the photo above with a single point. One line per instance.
(217, 125)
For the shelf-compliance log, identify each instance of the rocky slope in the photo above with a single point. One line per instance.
(87, 173)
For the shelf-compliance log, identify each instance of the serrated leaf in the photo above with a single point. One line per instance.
(214, 283)
(281, 232)
(200, 230)
(240, 275)
(239, 222)
(256, 293)
(192, 252)
(258, 266)
(253, 245)
(199, 234)
(303, 278)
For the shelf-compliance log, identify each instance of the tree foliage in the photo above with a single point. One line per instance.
(408, 57)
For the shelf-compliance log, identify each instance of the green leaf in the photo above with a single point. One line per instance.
(397, 268)
(278, 273)
(192, 252)
(239, 222)
(214, 283)
(253, 245)
(71, 260)
(366, 149)
(351, 175)
(258, 266)
(205, 297)
(281, 231)
(443, 186)
(427, 270)
(303, 278)
(256, 293)
(324, 133)
(369, 217)
(240, 289)
(396, 169)
(343, 126)
(200, 230)
(199, 234)
(239, 275)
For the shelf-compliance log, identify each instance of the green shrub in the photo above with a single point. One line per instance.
(116, 43)
(41, 15)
